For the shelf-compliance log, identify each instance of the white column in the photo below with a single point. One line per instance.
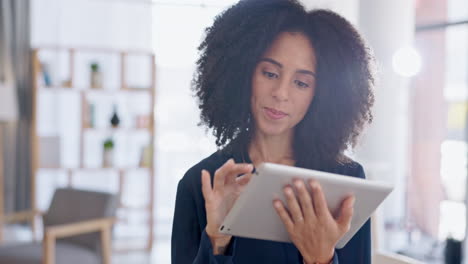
(387, 26)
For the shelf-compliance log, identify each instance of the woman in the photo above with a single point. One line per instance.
(276, 84)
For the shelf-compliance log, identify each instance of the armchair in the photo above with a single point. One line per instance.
(77, 229)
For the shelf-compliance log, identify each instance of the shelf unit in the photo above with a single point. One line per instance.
(83, 93)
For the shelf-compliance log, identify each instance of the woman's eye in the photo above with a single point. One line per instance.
(270, 75)
(301, 84)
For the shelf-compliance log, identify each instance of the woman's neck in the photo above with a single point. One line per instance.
(274, 149)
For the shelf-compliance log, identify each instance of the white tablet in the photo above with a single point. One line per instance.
(254, 216)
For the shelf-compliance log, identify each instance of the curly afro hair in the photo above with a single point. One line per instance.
(343, 99)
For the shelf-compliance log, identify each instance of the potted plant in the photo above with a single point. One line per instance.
(108, 153)
(115, 120)
(96, 76)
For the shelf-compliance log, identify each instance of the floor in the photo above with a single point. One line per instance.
(160, 255)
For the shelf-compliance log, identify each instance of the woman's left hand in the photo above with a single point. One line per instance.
(311, 226)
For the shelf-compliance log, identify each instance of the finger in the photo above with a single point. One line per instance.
(206, 184)
(236, 170)
(283, 214)
(319, 201)
(346, 213)
(220, 175)
(244, 179)
(293, 205)
(304, 199)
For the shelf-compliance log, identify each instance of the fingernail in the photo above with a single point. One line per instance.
(313, 185)
(277, 204)
(351, 204)
(288, 190)
(298, 183)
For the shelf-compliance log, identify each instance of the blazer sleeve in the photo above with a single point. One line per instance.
(190, 244)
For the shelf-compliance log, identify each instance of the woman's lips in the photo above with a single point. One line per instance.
(273, 113)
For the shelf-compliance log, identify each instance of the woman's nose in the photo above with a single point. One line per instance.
(281, 90)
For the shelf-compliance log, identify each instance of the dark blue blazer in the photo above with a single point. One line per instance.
(190, 243)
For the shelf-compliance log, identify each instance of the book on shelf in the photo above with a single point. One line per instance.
(146, 157)
(49, 152)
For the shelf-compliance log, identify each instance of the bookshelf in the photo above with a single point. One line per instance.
(71, 125)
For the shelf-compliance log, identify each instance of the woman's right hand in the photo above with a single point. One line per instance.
(220, 198)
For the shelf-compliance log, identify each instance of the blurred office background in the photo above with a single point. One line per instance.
(56, 112)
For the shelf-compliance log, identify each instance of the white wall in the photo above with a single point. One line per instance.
(102, 23)
(347, 8)
(388, 26)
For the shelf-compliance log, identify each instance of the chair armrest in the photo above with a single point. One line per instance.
(52, 233)
(393, 258)
(20, 216)
(78, 228)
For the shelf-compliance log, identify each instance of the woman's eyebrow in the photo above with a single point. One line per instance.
(306, 72)
(272, 61)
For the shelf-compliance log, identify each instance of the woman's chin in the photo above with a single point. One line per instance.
(273, 130)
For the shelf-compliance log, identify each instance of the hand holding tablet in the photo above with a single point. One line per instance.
(309, 223)
(254, 216)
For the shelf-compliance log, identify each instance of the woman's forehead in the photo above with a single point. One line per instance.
(292, 49)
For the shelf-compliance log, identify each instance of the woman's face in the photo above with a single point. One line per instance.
(283, 84)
